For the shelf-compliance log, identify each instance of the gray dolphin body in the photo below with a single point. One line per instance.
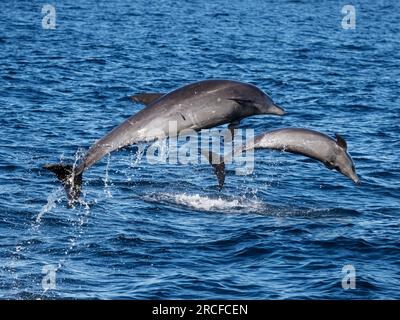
(313, 144)
(196, 106)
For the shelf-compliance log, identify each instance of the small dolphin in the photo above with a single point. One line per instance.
(196, 106)
(313, 144)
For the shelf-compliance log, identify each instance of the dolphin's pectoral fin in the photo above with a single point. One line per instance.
(232, 126)
(146, 98)
(219, 170)
(329, 165)
(72, 182)
(219, 166)
(243, 102)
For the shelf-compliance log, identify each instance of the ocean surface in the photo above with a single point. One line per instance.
(164, 231)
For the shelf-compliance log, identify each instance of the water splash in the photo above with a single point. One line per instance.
(54, 197)
(136, 157)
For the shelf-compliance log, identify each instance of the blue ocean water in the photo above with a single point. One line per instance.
(164, 231)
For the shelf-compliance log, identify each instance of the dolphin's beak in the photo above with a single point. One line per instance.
(275, 109)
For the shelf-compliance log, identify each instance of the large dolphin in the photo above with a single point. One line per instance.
(313, 144)
(196, 106)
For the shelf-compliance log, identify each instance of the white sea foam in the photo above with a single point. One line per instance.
(206, 203)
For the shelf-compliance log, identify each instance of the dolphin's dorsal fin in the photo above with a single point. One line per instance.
(340, 141)
(146, 98)
(218, 164)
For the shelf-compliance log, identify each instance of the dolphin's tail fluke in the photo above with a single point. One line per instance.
(72, 182)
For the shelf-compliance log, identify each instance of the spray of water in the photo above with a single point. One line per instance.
(54, 197)
(106, 180)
